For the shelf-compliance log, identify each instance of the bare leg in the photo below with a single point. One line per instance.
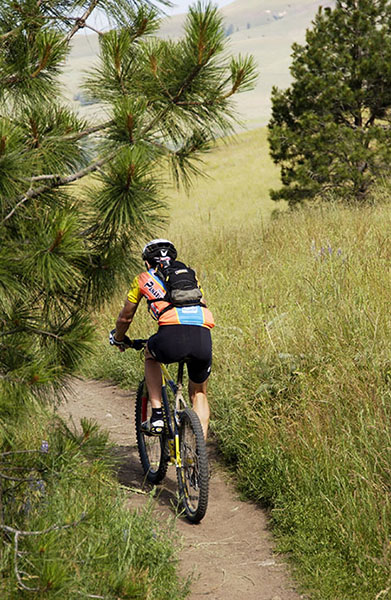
(198, 397)
(153, 378)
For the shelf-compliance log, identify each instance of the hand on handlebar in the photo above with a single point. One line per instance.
(121, 345)
(126, 342)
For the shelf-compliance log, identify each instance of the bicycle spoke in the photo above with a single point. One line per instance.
(193, 478)
(152, 448)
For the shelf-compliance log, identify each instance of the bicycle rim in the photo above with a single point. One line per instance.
(152, 449)
(193, 476)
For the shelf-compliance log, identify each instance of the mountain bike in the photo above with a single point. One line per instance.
(182, 443)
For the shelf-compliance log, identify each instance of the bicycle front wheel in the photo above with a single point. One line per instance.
(193, 475)
(151, 448)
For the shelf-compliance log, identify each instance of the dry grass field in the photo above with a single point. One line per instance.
(234, 192)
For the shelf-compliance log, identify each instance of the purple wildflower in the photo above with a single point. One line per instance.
(45, 446)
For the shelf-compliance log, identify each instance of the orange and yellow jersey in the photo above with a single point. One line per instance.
(150, 286)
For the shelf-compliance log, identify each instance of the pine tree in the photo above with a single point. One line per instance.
(330, 130)
(65, 247)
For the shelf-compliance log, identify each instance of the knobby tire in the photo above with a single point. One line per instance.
(151, 449)
(193, 476)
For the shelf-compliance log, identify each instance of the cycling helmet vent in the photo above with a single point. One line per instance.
(159, 250)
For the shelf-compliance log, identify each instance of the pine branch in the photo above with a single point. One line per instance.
(90, 595)
(9, 34)
(18, 533)
(189, 79)
(57, 182)
(43, 177)
(42, 63)
(201, 103)
(74, 137)
(12, 332)
(66, 20)
(81, 22)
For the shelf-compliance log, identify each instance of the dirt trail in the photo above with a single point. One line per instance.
(231, 551)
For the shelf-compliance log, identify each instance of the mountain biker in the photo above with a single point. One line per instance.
(184, 333)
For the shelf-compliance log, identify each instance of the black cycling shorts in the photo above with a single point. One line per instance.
(192, 343)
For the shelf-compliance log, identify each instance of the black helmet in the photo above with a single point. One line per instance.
(158, 251)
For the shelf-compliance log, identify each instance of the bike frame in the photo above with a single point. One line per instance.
(193, 471)
(172, 428)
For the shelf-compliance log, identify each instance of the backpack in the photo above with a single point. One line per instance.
(181, 285)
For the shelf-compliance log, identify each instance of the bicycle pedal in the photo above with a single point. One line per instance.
(149, 429)
(151, 434)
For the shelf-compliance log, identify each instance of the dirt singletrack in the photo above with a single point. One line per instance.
(230, 553)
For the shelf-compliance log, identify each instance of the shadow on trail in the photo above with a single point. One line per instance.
(130, 474)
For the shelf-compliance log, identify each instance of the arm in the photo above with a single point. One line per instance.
(125, 318)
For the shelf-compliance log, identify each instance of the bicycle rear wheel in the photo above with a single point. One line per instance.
(193, 476)
(151, 448)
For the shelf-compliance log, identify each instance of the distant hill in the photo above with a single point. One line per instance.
(264, 28)
(247, 14)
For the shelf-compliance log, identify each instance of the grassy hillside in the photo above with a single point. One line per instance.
(251, 14)
(234, 192)
(264, 28)
(301, 394)
(300, 390)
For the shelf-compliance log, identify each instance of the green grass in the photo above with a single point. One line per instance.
(89, 542)
(300, 389)
(301, 398)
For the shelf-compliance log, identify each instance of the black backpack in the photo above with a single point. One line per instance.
(181, 285)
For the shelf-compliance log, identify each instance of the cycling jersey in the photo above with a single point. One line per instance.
(149, 285)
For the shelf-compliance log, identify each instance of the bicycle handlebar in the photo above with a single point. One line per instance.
(136, 344)
(125, 343)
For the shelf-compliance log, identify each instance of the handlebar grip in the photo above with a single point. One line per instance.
(138, 344)
(125, 343)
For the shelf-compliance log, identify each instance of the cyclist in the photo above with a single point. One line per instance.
(184, 333)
